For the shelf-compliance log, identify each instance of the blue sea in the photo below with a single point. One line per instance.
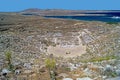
(90, 18)
(108, 17)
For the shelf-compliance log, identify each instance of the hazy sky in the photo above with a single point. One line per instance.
(18, 5)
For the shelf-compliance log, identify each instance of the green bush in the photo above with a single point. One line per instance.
(112, 22)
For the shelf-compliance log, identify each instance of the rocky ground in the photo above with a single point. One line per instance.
(83, 50)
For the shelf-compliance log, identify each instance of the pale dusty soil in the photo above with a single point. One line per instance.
(73, 51)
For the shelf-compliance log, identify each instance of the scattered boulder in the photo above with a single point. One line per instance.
(63, 75)
(87, 72)
(17, 72)
(67, 79)
(72, 66)
(86, 78)
(27, 65)
(5, 72)
(108, 68)
(117, 78)
(28, 71)
(118, 72)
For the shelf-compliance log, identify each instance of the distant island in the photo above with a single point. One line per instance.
(60, 12)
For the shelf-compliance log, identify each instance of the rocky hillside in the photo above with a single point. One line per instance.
(31, 36)
(35, 34)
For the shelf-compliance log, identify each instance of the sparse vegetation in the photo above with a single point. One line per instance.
(8, 57)
(50, 64)
(112, 23)
(100, 58)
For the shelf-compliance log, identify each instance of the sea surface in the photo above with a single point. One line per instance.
(108, 17)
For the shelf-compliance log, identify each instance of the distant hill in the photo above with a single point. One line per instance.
(60, 12)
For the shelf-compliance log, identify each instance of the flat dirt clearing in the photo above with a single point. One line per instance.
(68, 51)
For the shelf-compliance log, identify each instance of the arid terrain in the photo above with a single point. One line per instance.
(82, 50)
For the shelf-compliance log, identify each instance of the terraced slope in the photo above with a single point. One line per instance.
(34, 34)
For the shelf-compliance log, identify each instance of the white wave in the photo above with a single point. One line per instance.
(115, 17)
